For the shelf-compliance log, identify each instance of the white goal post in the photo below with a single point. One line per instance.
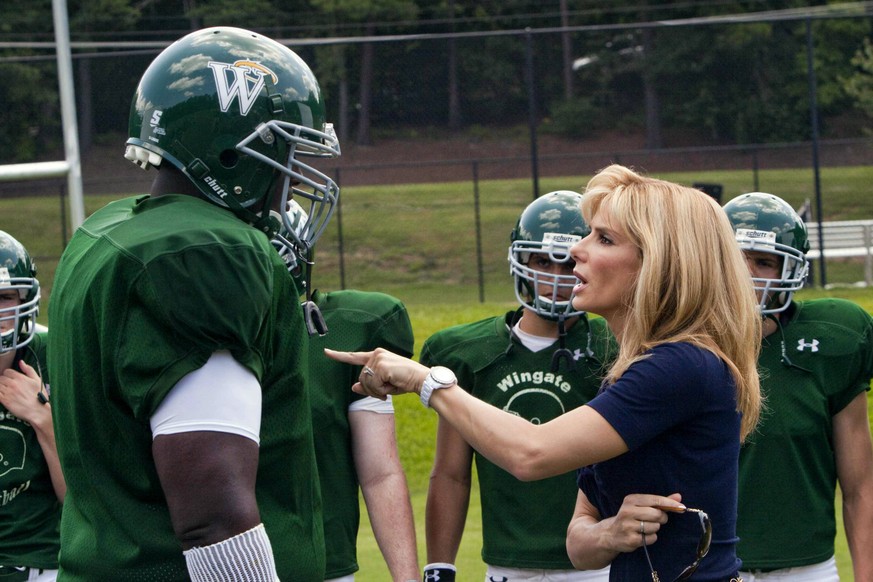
(71, 167)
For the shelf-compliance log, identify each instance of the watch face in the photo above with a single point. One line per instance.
(442, 375)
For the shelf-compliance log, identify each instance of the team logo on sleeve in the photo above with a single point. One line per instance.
(241, 80)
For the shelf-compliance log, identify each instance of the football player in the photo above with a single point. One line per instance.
(816, 362)
(178, 359)
(357, 446)
(30, 475)
(537, 361)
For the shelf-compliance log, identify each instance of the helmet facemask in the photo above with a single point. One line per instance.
(22, 317)
(767, 224)
(774, 295)
(289, 242)
(529, 282)
(548, 226)
(300, 180)
(297, 252)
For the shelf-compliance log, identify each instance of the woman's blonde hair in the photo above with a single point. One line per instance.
(693, 285)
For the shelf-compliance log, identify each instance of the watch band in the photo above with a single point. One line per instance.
(438, 378)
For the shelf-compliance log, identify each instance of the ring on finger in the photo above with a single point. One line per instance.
(369, 371)
(642, 527)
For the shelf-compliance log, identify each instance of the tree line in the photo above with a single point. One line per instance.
(659, 66)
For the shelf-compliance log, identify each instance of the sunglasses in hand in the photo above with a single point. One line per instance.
(702, 544)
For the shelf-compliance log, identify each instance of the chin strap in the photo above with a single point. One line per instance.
(268, 224)
(562, 353)
(315, 324)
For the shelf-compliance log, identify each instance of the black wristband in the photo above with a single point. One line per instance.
(439, 572)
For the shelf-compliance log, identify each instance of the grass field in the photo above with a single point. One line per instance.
(418, 242)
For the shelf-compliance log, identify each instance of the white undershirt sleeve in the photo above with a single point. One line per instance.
(371, 404)
(222, 396)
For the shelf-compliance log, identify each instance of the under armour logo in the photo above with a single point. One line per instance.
(248, 80)
(579, 354)
(802, 344)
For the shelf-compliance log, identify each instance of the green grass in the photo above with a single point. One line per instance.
(418, 243)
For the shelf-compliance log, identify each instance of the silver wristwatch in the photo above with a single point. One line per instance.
(439, 377)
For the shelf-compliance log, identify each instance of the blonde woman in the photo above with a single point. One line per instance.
(662, 267)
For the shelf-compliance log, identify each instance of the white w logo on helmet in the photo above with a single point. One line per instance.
(248, 80)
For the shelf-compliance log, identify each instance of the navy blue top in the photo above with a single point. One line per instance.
(676, 411)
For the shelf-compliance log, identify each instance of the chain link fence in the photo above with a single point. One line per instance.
(539, 116)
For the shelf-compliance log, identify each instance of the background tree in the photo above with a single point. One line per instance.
(251, 14)
(30, 116)
(714, 82)
(368, 13)
(859, 85)
(91, 19)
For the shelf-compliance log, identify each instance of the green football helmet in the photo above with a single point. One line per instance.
(549, 225)
(18, 273)
(766, 223)
(237, 112)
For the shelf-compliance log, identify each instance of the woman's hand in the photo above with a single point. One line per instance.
(384, 373)
(641, 514)
(593, 542)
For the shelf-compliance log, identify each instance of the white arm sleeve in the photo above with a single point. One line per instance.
(371, 404)
(222, 396)
(246, 557)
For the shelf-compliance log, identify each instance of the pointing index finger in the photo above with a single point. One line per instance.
(356, 358)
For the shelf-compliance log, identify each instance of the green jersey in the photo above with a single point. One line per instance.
(788, 475)
(356, 321)
(524, 524)
(29, 509)
(147, 289)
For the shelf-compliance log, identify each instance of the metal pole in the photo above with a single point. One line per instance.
(757, 187)
(339, 227)
(68, 112)
(532, 112)
(813, 121)
(567, 50)
(477, 215)
(61, 196)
